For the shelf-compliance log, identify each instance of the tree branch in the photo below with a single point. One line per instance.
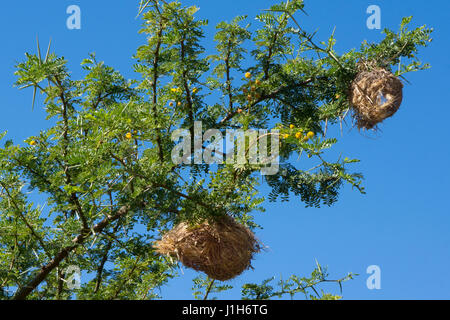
(155, 84)
(103, 261)
(263, 97)
(73, 195)
(19, 212)
(23, 292)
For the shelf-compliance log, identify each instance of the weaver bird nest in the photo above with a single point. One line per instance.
(375, 95)
(222, 248)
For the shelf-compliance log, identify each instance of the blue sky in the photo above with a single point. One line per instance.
(402, 224)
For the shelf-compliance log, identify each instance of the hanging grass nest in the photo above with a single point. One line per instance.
(375, 95)
(222, 249)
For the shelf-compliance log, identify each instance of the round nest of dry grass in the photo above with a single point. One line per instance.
(375, 95)
(222, 249)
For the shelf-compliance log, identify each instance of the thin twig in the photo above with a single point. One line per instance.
(209, 289)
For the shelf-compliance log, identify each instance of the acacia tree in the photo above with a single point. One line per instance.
(105, 166)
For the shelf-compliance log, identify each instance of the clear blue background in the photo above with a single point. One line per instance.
(401, 225)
